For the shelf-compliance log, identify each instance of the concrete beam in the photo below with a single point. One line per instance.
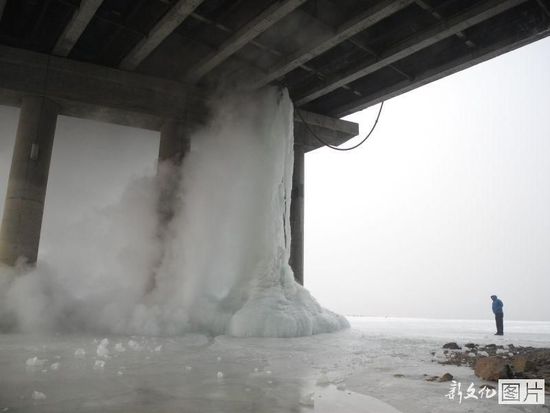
(24, 205)
(170, 22)
(456, 65)
(95, 92)
(422, 40)
(332, 37)
(100, 93)
(80, 20)
(331, 130)
(247, 33)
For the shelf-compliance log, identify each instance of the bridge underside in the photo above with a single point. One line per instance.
(335, 56)
(155, 64)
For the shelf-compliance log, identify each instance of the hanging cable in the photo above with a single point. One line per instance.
(336, 148)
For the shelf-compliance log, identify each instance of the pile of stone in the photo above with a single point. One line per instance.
(492, 362)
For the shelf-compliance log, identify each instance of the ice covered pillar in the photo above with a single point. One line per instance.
(297, 210)
(28, 179)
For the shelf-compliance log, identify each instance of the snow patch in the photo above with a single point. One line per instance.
(99, 364)
(35, 362)
(80, 353)
(36, 395)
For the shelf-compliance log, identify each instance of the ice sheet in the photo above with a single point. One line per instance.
(259, 374)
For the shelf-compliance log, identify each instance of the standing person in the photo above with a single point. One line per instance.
(499, 315)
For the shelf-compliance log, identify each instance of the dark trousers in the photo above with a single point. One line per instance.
(499, 318)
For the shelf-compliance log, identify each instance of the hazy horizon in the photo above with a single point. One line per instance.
(446, 204)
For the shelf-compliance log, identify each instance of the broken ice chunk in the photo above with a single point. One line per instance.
(220, 375)
(134, 345)
(37, 395)
(35, 362)
(80, 353)
(120, 348)
(307, 400)
(54, 366)
(99, 365)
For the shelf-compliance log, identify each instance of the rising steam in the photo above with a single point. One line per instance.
(216, 262)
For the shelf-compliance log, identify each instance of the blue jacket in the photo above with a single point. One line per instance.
(497, 306)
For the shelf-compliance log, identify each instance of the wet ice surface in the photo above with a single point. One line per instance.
(349, 371)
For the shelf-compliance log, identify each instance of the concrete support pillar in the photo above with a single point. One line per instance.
(297, 213)
(174, 141)
(28, 179)
(174, 144)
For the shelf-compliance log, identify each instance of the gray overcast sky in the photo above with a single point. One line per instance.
(446, 204)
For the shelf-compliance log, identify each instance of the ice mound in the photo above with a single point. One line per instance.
(203, 247)
(284, 312)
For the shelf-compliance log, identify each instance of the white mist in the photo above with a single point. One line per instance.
(221, 266)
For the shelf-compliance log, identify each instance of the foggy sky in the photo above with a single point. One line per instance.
(446, 204)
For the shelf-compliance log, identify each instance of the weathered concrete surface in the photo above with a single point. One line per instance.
(245, 34)
(95, 92)
(174, 140)
(92, 91)
(415, 43)
(170, 22)
(81, 18)
(28, 179)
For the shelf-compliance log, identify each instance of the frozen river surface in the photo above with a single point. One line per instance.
(351, 371)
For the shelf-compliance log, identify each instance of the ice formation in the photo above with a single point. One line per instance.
(80, 353)
(217, 265)
(35, 362)
(36, 395)
(99, 365)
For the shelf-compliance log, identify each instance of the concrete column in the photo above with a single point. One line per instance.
(297, 213)
(174, 141)
(174, 144)
(28, 179)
